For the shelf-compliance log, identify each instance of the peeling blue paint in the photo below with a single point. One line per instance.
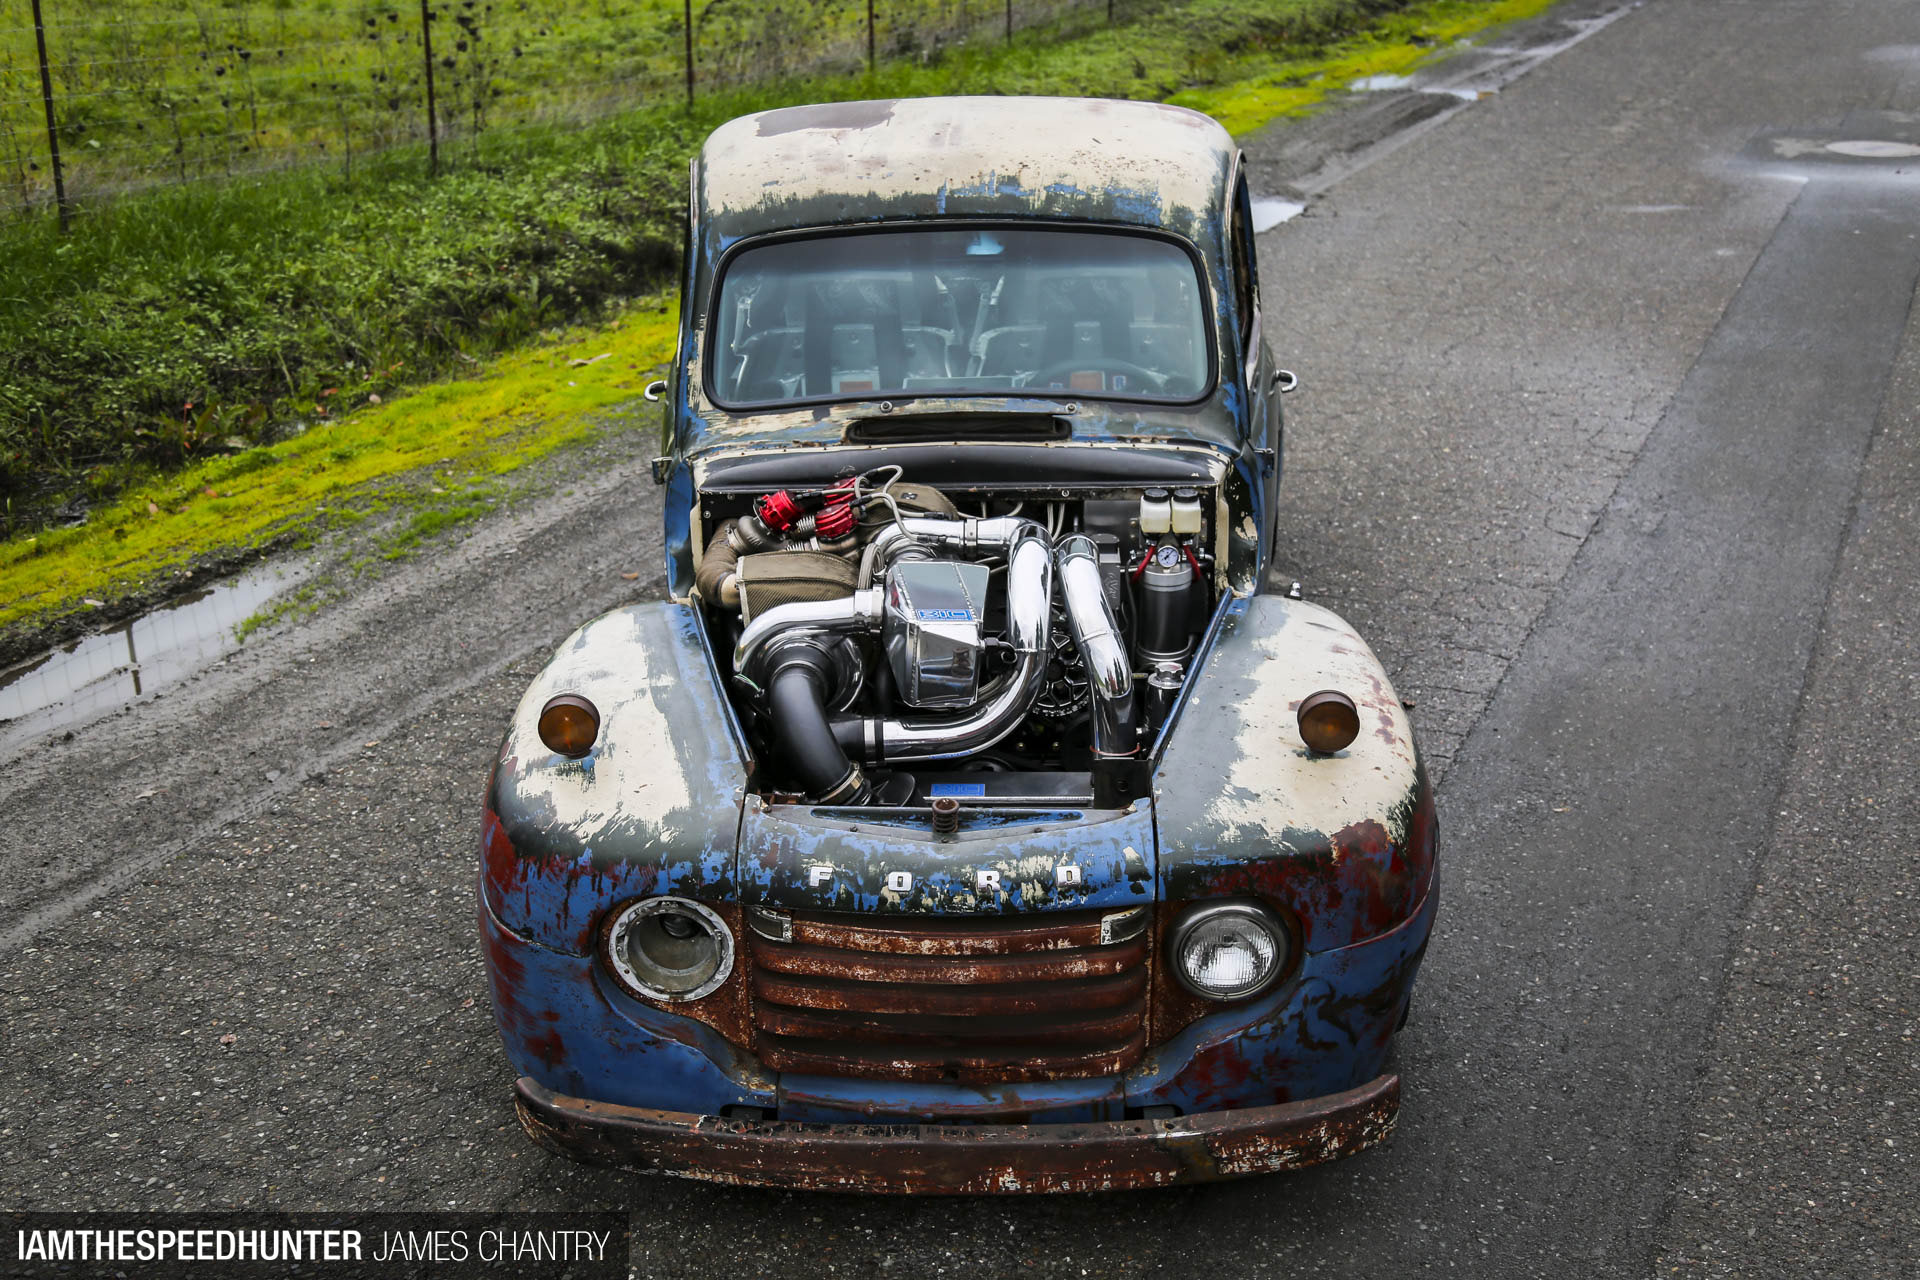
(559, 1024)
(563, 842)
(781, 845)
(1325, 1031)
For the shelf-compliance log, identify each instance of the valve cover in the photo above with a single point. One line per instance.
(934, 609)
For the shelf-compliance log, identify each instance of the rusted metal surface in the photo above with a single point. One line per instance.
(1343, 841)
(814, 858)
(562, 1020)
(1327, 1029)
(964, 1159)
(653, 807)
(940, 937)
(1173, 1007)
(977, 1002)
(727, 1009)
(565, 1023)
(958, 983)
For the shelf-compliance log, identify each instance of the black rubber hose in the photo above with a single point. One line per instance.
(796, 703)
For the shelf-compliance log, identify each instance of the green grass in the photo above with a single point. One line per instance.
(196, 316)
(204, 318)
(199, 366)
(431, 523)
(154, 90)
(439, 454)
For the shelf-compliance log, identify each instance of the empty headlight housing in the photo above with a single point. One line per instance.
(669, 949)
(1230, 950)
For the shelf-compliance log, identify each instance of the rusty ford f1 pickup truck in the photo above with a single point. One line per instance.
(970, 818)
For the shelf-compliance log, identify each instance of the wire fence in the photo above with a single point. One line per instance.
(99, 97)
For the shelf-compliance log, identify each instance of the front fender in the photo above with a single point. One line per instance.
(1344, 843)
(654, 807)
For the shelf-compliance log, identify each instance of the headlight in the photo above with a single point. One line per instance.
(668, 949)
(1230, 950)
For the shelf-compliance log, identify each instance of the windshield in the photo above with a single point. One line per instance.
(960, 310)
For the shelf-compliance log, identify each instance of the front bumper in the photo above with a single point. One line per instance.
(969, 1159)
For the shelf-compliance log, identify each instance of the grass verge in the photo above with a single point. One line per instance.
(435, 458)
(1396, 46)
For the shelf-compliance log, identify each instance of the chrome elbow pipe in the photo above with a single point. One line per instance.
(966, 533)
(1102, 648)
(861, 611)
(1030, 628)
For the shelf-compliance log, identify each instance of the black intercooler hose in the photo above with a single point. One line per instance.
(797, 705)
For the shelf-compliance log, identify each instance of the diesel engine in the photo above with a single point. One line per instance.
(889, 647)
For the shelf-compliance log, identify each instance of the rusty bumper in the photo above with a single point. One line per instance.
(968, 1159)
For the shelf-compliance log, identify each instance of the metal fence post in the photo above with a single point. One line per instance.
(687, 25)
(869, 37)
(53, 134)
(433, 112)
(1009, 21)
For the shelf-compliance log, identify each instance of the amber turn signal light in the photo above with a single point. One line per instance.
(569, 724)
(1328, 721)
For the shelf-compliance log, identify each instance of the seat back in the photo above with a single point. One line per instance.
(771, 364)
(1014, 348)
(853, 360)
(1163, 348)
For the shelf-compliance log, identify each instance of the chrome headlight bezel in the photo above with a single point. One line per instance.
(1247, 914)
(636, 926)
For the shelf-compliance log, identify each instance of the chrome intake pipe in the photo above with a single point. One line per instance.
(864, 610)
(861, 611)
(944, 533)
(1030, 628)
(1102, 648)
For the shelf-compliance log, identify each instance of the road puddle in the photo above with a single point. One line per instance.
(1380, 84)
(97, 674)
(1269, 212)
(1388, 84)
(1874, 149)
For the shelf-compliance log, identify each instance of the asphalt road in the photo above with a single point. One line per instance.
(1607, 440)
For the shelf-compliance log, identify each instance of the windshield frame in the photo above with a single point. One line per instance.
(1209, 306)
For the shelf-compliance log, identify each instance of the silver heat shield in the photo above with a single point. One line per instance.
(1102, 648)
(934, 610)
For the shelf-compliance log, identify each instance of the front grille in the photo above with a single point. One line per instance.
(965, 1000)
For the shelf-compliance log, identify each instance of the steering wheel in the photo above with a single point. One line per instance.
(1039, 380)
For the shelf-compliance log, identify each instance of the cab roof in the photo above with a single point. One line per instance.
(1086, 158)
(851, 164)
